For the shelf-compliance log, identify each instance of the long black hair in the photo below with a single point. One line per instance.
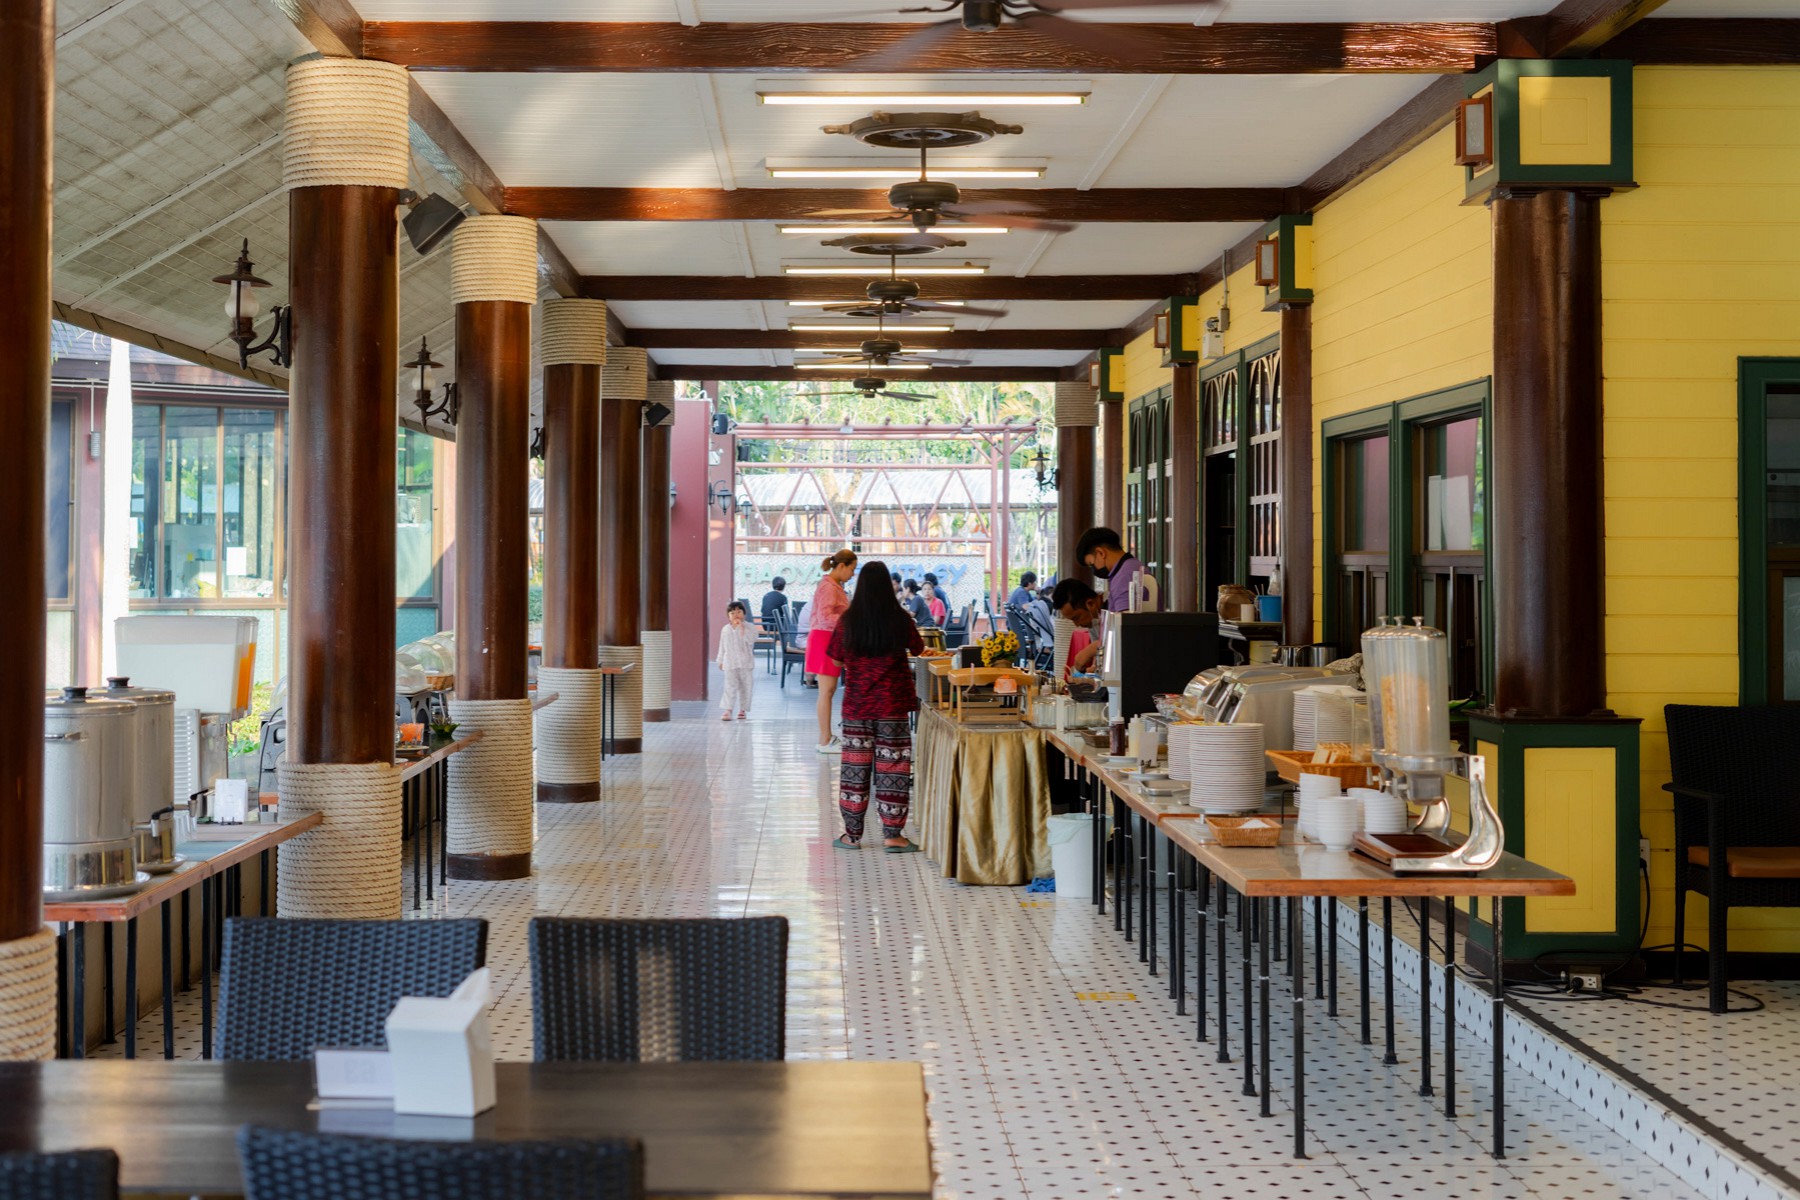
(875, 623)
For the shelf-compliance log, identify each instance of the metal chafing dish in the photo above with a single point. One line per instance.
(90, 764)
(1262, 694)
(154, 805)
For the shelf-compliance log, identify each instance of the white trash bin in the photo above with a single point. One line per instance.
(1072, 854)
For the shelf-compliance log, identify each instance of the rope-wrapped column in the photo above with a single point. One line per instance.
(659, 419)
(572, 347)
(623, 385)
(493, 279)
(27, 85)
(350, 865)
(1077, 413)
(345, 165)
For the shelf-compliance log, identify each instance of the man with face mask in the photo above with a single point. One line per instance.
(1101, 552)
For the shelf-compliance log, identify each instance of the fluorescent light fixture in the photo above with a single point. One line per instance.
(861, 367)
(854, 327)
(967, 269)
(890, 227)
(824, 303)
(899, 173)
(951, 99)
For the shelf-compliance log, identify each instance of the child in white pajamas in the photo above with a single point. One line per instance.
(737, 658)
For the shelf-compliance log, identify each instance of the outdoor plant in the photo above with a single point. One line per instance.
(1001, 647)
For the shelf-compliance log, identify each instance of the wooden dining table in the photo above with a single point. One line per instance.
(799, 1129)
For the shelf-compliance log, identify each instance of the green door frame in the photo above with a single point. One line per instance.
(1239, 361)
(1755, 377)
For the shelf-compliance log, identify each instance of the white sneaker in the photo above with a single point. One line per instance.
(832, 747)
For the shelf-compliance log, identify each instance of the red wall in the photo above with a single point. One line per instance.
(689, 629)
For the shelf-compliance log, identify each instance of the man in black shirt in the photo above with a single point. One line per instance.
(774, 601)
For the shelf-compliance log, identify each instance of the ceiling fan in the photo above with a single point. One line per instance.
(886, 351)
(925, 201)
(897, 297)
(869, 387)
(985, 16)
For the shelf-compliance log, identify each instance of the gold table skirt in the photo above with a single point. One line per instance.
(982, 799)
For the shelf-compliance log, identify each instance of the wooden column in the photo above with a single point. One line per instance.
(1184, 489)
(1113, 464)
(657, 465)
(1549, 568)
(572, 515)
(621, 534)
(27, 84)
(1074, 496)
(1295, 476)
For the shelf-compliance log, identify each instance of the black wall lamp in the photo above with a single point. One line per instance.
(242, 309)
(1040, 466)
(720, 491)
(425, 385)
(538, 442)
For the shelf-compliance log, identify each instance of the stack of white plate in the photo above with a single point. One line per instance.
(1306, 707)
(1227, 767)
(1382, 812)
(1313, 787)
(1335, 820)
(1179, 741)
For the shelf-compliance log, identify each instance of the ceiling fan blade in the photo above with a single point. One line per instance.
(900, 55)
(984, 208)
(960, 309)
(1113, 41)
(926, 358)
(1014, 220)
(913, 396)
(1079, 5)
(850, 307)
(880, 216)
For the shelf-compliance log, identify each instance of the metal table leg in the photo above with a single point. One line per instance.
(1219, 932)
(1425, 997)
(1248, 936)
(78, 1017)
(62, 989)
(1202, 914)
(1497, 1011)
(1387, 977)
(414, 804)
(108, 952)
(1126, 866)
(1449, 1006)
(168, 985)
(1330, 956)
(1260, 918)
(1297, 983)
(187, 955)
(1318, 903)
(1097, 836)
(1177, 936)
(1362, 952)
(262, 885)
(131, 988)
(1147, 898)
(206, 907)
(1276, 922)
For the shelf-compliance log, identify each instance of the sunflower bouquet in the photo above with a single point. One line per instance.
(1001, 647)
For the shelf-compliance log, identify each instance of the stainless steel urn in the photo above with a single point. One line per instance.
(153, 805)
(90, 774)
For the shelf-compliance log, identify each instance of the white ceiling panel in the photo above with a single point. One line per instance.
(582, 130)
(695, 314)
(1047, 314)
(653, 247)
(1132, 248)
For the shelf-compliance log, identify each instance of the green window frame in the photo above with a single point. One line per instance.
(1405, 424)
(1148, 520)
(1239, 519)
(1763, 571)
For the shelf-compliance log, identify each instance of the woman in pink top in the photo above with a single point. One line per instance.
(828, 604)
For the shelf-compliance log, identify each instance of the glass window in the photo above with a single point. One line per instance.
(1365, 494)
(1784, 468)
(190, 503)
(250, 497)
(413, 557)
(1790, 637)
(146, 498)
(1453, 485)
(59, 500)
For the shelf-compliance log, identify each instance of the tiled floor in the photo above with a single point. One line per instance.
(1035, 1092)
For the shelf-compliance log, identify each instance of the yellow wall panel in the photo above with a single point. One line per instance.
(1570, 826)
(1139, 369)
(1673, 600)
(1662, 517)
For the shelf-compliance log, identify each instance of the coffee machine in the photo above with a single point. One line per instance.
(1145, 654)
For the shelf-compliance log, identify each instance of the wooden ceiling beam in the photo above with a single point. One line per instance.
(832, 288)
(900, 379)
(1424, 47)
(961, 339)
(1710, 41)
(792, 204)
(1580, 27)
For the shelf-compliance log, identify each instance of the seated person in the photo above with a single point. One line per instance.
(1026, 591)
(1082, 605)
(914, 603)
(774, 602)
(939, 610)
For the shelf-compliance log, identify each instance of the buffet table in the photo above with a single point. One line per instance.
(708, 1129)
(1267, 882)
(982, 794)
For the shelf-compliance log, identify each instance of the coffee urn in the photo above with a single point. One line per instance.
(90, 765)
(154, 804)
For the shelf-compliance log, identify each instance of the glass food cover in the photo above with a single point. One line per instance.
(1408, 667)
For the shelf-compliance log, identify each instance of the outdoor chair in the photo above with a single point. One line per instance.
(287, 986)
(70, 1175)
(287, 1164)
(1737, 818)
(706, 989)
(956, 629)
(793, 648)
(768, 639)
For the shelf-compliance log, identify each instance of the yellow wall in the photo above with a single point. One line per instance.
(1702, 264)
(1403, 296)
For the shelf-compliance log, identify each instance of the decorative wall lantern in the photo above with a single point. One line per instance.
(1045, 475)
(425, 386)
(1161, 336)
(1268, 262)
(1475, 131)
(242, 308)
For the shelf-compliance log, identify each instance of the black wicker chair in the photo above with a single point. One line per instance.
(288, 986)
(1737, 818)
(285, 1164)
(70, 1175)
(699, 990)
(793, 647)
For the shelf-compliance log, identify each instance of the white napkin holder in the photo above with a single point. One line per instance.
(442, 1051)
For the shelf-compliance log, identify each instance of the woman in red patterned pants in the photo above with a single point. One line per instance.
(872, 641)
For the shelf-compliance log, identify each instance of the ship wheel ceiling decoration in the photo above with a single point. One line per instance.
(1048, 19)
(869, 387)
(924, 202)
(897, 297)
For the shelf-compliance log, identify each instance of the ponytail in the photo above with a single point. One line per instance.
(843, 558)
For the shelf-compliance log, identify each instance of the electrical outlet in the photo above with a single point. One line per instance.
(1587, 981)
(1644, 850)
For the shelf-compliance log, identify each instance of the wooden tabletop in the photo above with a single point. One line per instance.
(815, 1129)
(1305, 869)
(1156, 809)
(204, 860)
(415, 766)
